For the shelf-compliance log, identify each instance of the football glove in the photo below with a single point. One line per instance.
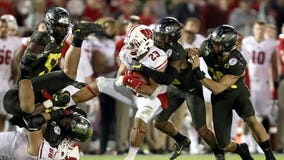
(60, 99)
(51, 47)
(133, 82)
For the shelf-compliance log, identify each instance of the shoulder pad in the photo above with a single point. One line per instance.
(40, 37)
(236, 64)
(178, 52)
(204, 49)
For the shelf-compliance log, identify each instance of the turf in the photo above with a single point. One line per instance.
(183, 157)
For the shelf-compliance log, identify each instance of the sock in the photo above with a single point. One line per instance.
(266, 147)
(239, 151)
(179, 137)
(132, 153)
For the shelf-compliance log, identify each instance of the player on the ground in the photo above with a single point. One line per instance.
(55, 140)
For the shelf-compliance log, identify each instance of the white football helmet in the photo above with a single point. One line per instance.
(139, 39)
(11, 20)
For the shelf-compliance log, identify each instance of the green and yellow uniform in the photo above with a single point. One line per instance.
(37, 64)
(236, 97)
(185, 87)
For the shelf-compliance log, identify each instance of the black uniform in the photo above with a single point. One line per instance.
(44, 63)
(184, 87)
(237, 97)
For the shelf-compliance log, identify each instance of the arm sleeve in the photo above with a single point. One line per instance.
(165, 78)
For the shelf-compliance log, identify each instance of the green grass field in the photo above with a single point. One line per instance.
(182, 157)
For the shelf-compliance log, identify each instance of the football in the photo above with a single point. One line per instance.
(141, 77)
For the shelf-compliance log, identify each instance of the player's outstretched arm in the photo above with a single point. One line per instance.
(86, 93)
(72, 58)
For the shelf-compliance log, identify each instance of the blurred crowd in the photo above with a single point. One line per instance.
(112, 119)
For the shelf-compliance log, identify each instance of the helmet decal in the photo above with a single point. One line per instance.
(147, 33)
(139, 40)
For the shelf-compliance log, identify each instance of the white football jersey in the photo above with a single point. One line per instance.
(8, 47)
(14, 146)
(64, 150)
(46, 152)
(155, 58)
(258, 56)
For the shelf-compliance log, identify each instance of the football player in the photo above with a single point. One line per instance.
(129, 87)
(260, 54)
(8, 45)
(183, 87)
(226, 66)
(41, 57)
(55, 140)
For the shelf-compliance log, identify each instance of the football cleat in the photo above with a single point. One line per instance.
(178, 147)
(82, 30)
(220, 156)
(245, 154)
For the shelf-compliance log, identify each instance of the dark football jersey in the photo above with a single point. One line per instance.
(185, 80)
(45, 61)
(234, 64)
(175, 51)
